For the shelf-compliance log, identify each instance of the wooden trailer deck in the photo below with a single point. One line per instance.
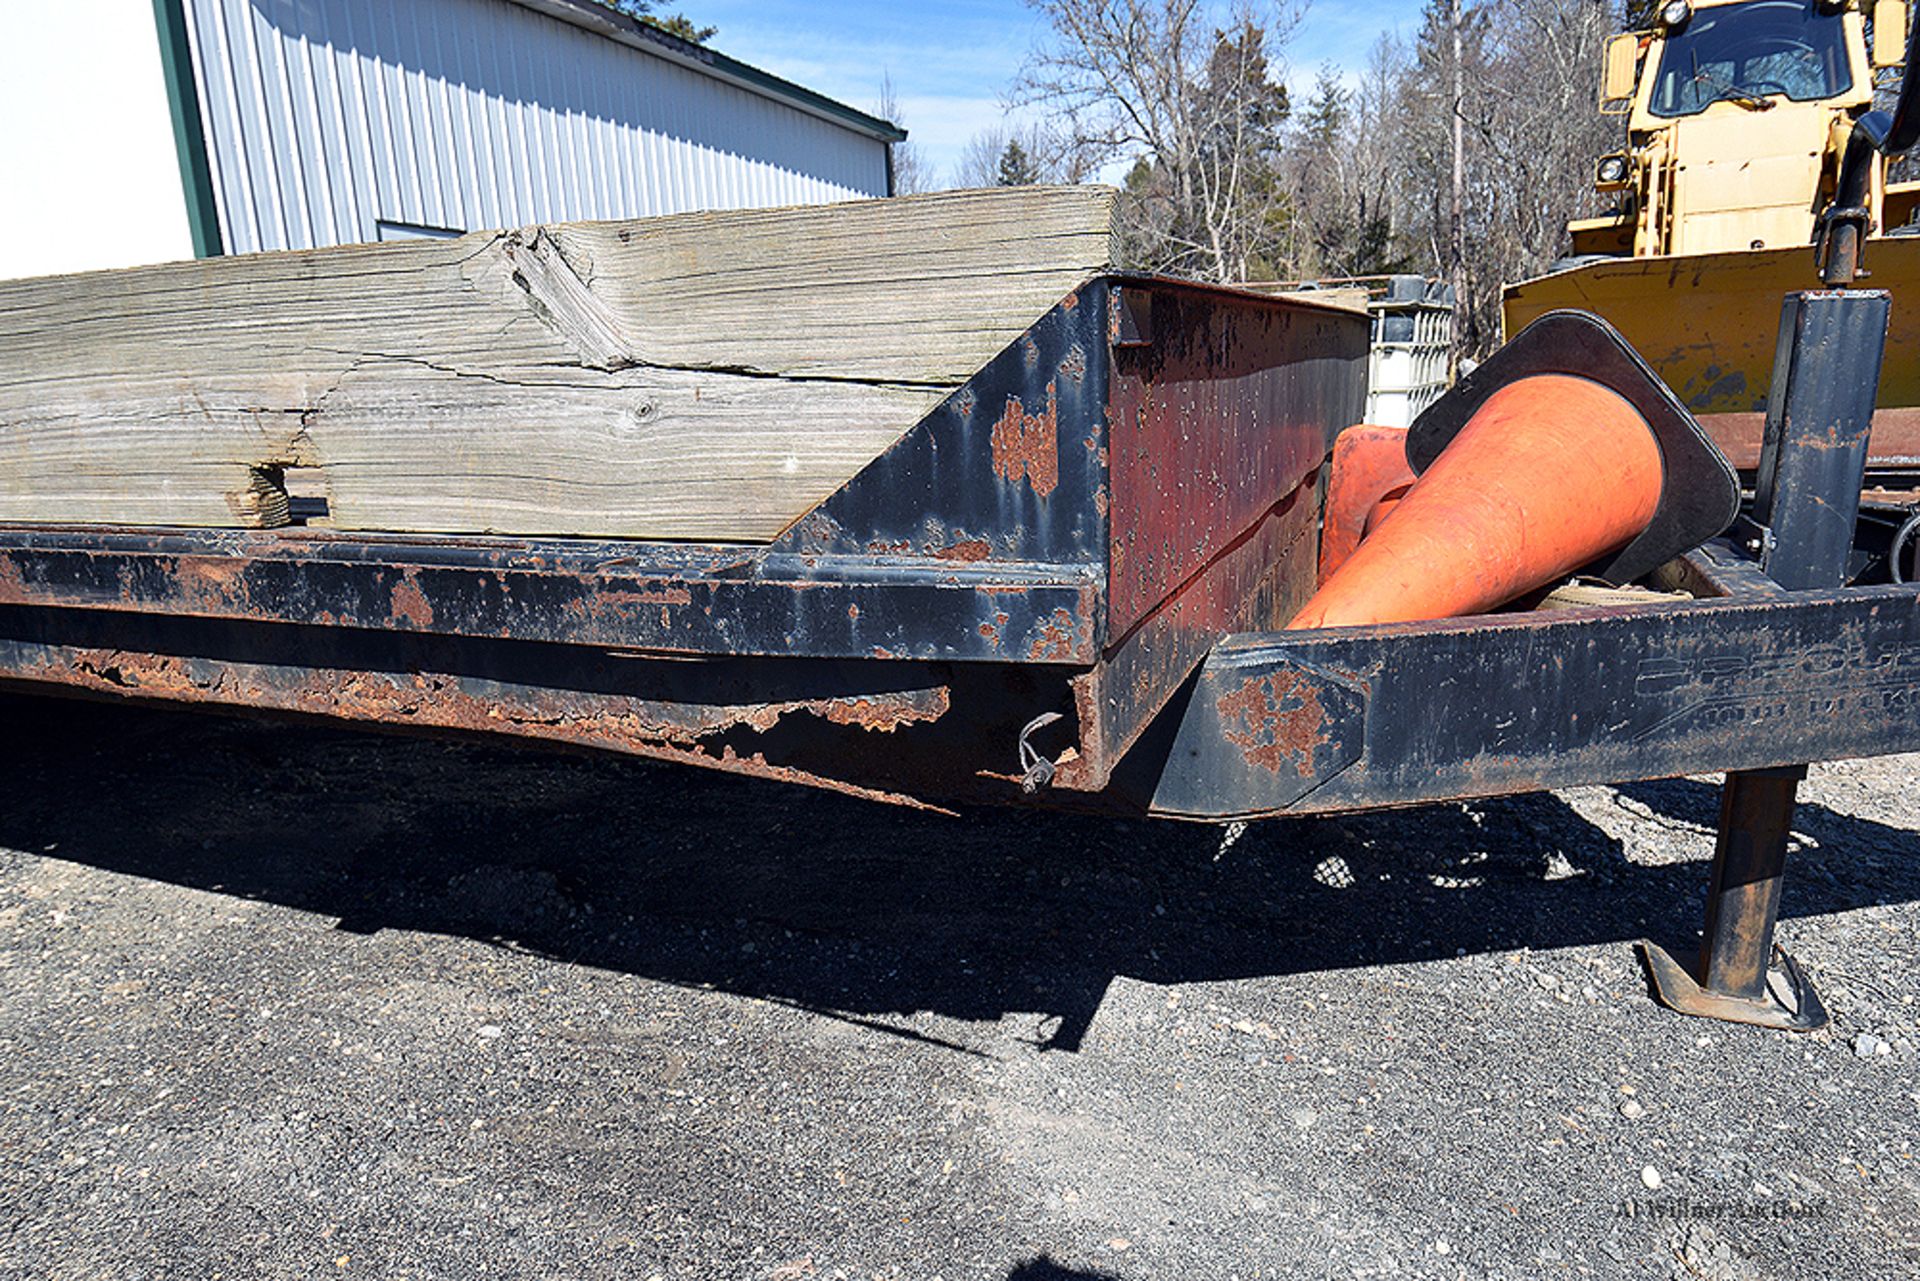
(707, 376)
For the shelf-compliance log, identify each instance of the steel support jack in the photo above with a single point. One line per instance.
(1733, 980)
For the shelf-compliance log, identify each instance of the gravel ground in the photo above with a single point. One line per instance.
(291, 1002)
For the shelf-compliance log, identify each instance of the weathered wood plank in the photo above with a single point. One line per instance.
(708, 376)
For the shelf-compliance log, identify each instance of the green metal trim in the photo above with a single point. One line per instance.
(885, 130)
(189, 138)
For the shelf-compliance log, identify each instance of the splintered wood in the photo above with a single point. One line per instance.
(706, 376)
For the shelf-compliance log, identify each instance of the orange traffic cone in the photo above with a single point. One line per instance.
(1551, 472)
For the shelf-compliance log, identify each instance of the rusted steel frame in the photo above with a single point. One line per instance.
(1357, 718)
(1221, 406)
(896, 731)
(1010, 467)
(647, 596)
(983, 537)
(1894, 443)
(1256, 584)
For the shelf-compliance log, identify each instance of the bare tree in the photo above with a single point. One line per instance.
(1010, 157)
(1196, 107)
(980, 158)
(1341, 153)
(911, 173)
(1461, 156)
(1500, 127)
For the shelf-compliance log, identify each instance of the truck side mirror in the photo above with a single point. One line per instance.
(1623, 58)
(1889, 32)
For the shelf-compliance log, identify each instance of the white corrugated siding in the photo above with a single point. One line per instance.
(327, 118)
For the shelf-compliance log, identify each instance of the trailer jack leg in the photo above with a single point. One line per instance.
(1813, 456)
(1733, 980)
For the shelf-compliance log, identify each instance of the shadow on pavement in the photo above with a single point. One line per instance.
(847, 907)
(1045, 1269)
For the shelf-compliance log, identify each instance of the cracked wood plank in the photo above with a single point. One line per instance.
(705, 376)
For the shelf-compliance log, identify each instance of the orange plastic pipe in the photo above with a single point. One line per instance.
(1552, 472)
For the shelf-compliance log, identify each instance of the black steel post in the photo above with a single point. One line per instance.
(1743, 901)
(1826, 377)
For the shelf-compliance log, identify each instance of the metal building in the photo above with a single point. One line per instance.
(301, 123)
(352, 120)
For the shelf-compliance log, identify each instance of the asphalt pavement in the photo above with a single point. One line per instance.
(287, 1001)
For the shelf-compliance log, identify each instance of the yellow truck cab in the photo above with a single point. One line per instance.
(1737, 114)
(1739, 118)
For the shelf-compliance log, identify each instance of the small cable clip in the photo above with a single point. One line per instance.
(1036, 771)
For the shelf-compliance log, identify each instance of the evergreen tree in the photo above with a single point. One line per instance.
(677, 25)
(1016, 166)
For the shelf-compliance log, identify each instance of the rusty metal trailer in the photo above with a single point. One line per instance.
(1064, 587)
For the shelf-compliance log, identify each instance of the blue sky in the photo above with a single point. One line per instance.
(952, 60)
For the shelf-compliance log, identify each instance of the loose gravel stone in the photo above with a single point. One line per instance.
(290, 1001)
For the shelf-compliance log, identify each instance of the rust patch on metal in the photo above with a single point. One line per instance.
(156, 675)
(886, 712)
(1053, 639)
(429, 700)
(1895, 440)
(969, 550)
(13, 588)
(1028, 445)
(1074, 363)
(1276, 720)
(1084, 767)
(410, 604)
(653, 596)
(990, 632)
(598, 606)
(216, 577)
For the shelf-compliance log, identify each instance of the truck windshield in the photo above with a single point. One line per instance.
(1762, 49)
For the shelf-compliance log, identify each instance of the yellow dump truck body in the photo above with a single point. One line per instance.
(1708, 322)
